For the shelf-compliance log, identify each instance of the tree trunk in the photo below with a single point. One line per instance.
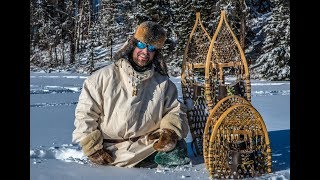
(62, 52)
(242, 25)
(72, 50)
(78, 27)
(72, 47)
(50, 56)
(56, 56)
(111, 42)
(91, 57)
(72, 37)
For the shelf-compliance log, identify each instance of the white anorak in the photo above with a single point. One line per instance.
(124, 104)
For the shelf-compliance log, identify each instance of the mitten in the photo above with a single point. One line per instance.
(93, 148)
(101, 157)
(153, 136)
(167, 141)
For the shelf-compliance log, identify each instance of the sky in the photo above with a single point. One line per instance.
(53, 98)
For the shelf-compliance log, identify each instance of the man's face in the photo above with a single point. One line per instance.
(142, 57)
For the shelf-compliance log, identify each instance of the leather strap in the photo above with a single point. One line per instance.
(134, 139)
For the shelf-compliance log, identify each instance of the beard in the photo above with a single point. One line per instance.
(137, 67)
(142, 59)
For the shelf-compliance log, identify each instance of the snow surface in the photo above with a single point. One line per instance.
(53, 97)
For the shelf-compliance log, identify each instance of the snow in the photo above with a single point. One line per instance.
(53, 97)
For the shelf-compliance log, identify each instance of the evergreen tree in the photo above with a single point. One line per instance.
(79, 33)
(273, 62)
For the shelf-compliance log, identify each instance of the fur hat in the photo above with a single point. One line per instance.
(151, 33)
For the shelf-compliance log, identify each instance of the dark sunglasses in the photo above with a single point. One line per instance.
(142, 45)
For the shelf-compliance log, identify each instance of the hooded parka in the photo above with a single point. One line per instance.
(124, 104)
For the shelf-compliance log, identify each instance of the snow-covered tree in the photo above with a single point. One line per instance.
(69, 33)
(271, 45)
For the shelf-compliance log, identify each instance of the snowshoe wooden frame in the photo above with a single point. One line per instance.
(225, 57)
(215, 114)
(192, 86)
(239, 145)
(235, 139)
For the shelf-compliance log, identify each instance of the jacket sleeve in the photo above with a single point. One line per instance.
(175, 117)
(87, 112)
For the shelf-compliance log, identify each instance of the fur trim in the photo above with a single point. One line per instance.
(92, 143)
(151, 33)
(173, 122)
(125, 49)
(160, 65)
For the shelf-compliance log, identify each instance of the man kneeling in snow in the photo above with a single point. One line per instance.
(128, 112)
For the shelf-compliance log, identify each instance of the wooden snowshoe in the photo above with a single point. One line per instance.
(215, 114)
(235, 139)
(226, 71)
(239, 145)
(192, 81)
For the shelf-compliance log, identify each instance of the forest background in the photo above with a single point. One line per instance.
(82, 35)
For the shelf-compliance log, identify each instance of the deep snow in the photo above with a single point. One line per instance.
(53, 97)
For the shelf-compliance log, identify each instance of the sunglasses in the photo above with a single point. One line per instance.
(142, 45)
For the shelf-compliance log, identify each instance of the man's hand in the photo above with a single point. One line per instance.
(101, 157)
(167, 141)
(92, 147)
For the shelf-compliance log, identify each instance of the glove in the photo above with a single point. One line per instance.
(101, 157)
(167, 141)
(92, 147)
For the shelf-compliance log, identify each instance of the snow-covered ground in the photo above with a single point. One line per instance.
(53, 97)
